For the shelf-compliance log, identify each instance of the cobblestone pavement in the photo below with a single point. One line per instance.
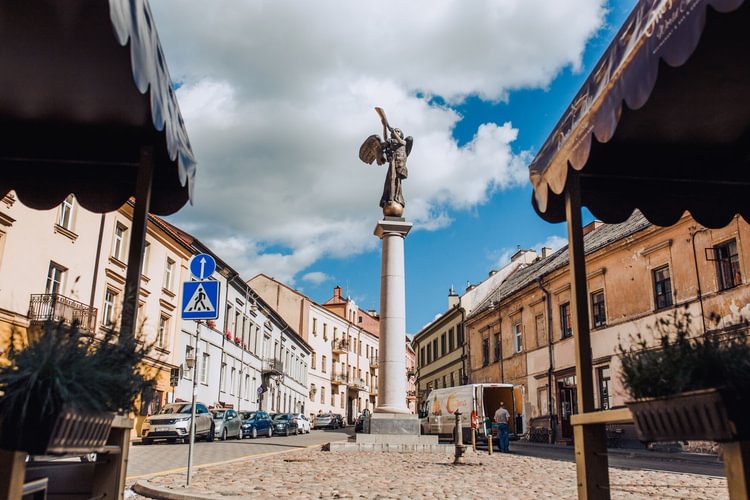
(312, 473)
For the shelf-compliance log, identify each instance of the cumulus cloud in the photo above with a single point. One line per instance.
(316, 277)
(278, 96)
(553, 242)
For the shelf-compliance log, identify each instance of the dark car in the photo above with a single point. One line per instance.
(340, 420)
(285, 424)
(359, 424)
(256, 423)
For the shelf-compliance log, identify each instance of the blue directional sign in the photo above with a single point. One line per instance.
(202, 266)
(200, 300)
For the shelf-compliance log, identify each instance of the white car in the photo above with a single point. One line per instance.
(303, 423)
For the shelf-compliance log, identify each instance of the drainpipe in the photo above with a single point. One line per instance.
(548, 300)
(463, 343)
(694, 231)
(500, 339)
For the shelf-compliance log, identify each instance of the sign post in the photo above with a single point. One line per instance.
(200, 300)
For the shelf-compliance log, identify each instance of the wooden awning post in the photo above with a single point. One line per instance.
(590, 440)
(144, 182)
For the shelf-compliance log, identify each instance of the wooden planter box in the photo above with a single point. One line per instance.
(69, 433)
(707, 414)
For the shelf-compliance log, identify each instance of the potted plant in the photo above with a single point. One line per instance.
(61, 391)
(686, 387)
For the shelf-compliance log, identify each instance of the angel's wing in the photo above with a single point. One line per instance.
(372, 150)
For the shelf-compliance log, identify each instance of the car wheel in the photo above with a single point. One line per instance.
(255, 432)
(224, 434)
(270, 432)
(172, 440)
(286, 433)
(146, 441)
(211, 435)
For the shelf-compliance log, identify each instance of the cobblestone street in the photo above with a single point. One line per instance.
(312, 473)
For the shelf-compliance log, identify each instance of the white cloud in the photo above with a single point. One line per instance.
(316, 277)
(553, 241)
(278, 96)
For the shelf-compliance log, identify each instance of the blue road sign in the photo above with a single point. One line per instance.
(200, 300)
(202, 266)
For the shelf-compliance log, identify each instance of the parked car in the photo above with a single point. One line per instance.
(326, 421)
(285, 424)
(302, 423)
(255, 423)
(227, 423)
(172, 424)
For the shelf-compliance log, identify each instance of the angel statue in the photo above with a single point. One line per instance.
(394, 149)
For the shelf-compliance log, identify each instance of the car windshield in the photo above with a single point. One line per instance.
(218, 414)
(283, 416)
(178, 408)
(247, 415)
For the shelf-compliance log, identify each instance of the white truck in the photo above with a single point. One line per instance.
(437, 412)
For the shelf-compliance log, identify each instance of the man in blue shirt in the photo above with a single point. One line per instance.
(501, 418)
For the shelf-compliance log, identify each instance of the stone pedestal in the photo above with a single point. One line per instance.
(392, 348)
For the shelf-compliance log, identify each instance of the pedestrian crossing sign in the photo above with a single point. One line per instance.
(200, 299)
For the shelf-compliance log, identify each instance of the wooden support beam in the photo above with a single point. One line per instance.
(590, 440)
(12, 473)
(737, 469)
(144, 182)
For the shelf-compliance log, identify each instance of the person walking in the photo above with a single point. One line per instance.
(501, 418)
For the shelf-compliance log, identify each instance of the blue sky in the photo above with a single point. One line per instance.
(277, 97)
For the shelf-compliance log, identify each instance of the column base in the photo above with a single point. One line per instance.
(400, 424)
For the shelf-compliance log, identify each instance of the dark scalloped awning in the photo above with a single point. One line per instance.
(663, 122)
(83, 87)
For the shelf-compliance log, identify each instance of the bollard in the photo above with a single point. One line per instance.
(473, 439)
(489, 437)
(460, 448)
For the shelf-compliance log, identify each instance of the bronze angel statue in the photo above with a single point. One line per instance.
(394, 149)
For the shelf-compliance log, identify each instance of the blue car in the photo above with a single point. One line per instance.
(256, 423)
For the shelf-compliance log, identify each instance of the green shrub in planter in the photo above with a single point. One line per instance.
(686, 386)
(62, 372)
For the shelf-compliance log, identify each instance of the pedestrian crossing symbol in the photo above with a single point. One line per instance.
(200, 299)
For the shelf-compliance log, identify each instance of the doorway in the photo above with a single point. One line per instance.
(568, 405)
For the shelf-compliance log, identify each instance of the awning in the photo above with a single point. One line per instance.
(663, 122)
(83, 88)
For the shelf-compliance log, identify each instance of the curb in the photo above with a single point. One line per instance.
(142, 488)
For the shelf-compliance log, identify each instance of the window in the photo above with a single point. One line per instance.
(313, 360)
(460, 335)
(565, 326)
(315, 327)
(323, 363)
(443, 345)
(65, 217)
(542, 401)
(325, 333)
(232, 378)
(163, 331)
(435, 349)
(605, 388)
(204, 369)
(422, 359)
(322, 395)
(598, 315)
(343, 399)
(118, 249)
(540, 330)
(518, 336)
(451, 339)
(727, 265)
(497, 347)
(223, 377)
(453, 380)
(429, 353)
(55, 278)
(461, 379)
(108, 311)
(169, 274)
(662, 287)
(485, 351)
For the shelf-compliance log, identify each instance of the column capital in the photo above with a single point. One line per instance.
(390, 225)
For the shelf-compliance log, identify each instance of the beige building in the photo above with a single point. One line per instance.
(637, 273)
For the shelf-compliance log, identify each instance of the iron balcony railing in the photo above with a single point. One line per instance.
(58, 308)
(339, 346)
(273, 365)
(357, 383)
(374, 363)
(338, 378)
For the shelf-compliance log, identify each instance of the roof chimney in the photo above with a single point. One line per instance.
(546, 252)
(591, 226)
(337, 292)
(453, 298)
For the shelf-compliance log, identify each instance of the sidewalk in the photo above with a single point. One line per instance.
(312, 473)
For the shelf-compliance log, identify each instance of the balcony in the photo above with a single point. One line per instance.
(338, 378)
(339, 346)
(410, 395)
(357, 384)
(56, 307)
(273, 366)
(374, 363)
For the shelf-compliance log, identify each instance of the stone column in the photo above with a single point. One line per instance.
(392, 355)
